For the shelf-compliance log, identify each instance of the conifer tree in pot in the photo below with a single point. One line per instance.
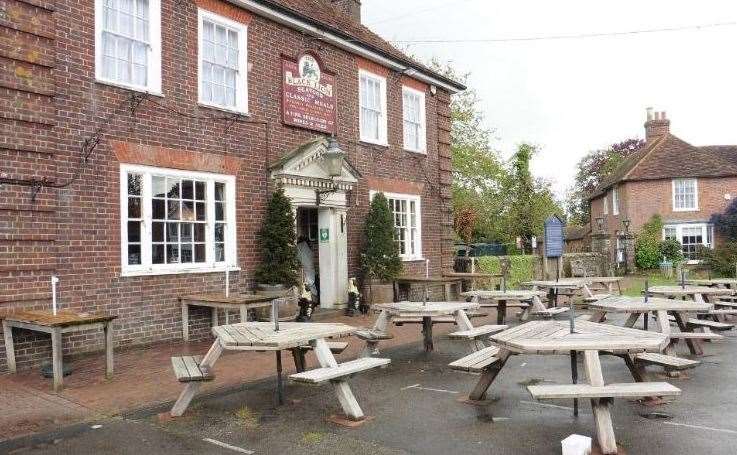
(380, 260)
(279, 265)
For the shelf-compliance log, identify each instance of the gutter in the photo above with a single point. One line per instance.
(310, 27)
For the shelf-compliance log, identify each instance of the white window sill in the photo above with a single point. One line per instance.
(374, 142)
(418, 152)
(134, 88)
(412, 259)
(686, 210)
(178, 271)
(224, 108)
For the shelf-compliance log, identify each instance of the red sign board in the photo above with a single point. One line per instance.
(308, 95)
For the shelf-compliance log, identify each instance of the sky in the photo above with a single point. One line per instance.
(570, 96)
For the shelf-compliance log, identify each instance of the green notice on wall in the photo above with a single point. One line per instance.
(324, 235)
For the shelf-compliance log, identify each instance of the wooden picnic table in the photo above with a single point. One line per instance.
(565, 284)
(636, 306)
(426, 282)
(696, 293)
(554, 337)
(243, 303)
(729, 283)
(608, 282)
(500, 299)
(471, 277)
(263, 336)
(64, 321)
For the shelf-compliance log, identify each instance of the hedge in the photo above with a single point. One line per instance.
(522, 268)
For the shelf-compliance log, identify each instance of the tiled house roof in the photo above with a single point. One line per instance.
(325, 14)
(669, 157)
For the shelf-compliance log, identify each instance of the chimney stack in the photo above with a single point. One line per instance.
(656, 126)
(350, 7)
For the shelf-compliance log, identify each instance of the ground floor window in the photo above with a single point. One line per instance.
(176, 221)
(692, 236)
(407, 224)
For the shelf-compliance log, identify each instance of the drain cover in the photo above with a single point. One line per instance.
(656, 416)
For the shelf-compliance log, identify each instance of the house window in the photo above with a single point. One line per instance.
(128, 43)
(372, 108)
(413, 105)
(307, 223)
(615, 201)
(606, 204)
(692, 236)
(223, 62)
(407, 224)
(176, 221)
(685, 195)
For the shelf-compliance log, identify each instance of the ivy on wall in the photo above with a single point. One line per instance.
(521, 269)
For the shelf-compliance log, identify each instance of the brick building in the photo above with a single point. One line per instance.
(683, 183)
(141, 139)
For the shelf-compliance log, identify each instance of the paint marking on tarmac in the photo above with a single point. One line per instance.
(228, 446)
(546, 405)
(429, 389)
(700, 427)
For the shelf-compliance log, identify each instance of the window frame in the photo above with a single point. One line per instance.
(383, 133)
(241, 80)
(417, 199)
(210, 265)
(695, 208)
(615, 201)
(153, 75)
(707, 233)
(605, 204)
(422, 132)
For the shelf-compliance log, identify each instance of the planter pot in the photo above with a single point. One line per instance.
(376, 291)
(287, 311)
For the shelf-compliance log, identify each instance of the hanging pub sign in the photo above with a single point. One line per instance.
(308, 94)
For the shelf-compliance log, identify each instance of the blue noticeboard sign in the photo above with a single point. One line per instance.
(554, 237)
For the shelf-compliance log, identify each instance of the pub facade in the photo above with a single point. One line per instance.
(141, 140)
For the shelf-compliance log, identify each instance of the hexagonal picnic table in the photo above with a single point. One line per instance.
(499, 299)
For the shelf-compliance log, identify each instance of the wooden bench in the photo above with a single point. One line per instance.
(401, 320)
(187, 369)
(477, 332)
(707, 324)
(584, 317)
(596, 298)
(549, 312)
(336, 347)
(669, 362)
(723, 312)
(694, 336)
(477, 362)
(627, 390)
(339, 372)
(372, 338)
(723, 304)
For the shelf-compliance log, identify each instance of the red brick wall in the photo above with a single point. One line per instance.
(75, 231)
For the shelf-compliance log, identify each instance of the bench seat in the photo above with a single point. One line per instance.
(584, 317)
(723, 312)
(187, 369)
(627, 390)
(477, 332)
(417, 320)
(723, 304)
(343, 370)
(336, 347)
(713, 325)
(372, 335)
(478, 361)
(694, 336)
(550, 311)
(494, 304)
(596, 298)
(668, 361)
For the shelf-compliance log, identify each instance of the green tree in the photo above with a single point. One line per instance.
(380, 258)
(277, 240)
(648, 253)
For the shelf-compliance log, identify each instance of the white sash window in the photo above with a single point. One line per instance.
(413, 106)
(372, 90)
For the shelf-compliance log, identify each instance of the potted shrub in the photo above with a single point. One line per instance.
(279, 266)
(380, 260)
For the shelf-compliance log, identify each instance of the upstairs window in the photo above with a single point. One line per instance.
(175, 221)
(372, 113)
(128, 43)
(413, 106)
(685, 195)
(615, 201)
(223, 62)
(605, 209)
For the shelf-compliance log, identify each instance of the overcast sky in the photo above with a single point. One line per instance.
(569, 96)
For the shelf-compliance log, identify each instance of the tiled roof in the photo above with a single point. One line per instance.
(669, 157)
(324, 13)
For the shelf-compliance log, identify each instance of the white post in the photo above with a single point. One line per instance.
(227, 281)
(427, 268)
(54, 280)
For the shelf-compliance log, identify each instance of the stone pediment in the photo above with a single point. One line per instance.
(305, 166)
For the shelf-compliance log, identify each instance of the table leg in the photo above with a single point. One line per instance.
(463, 323)
(299, 359)
(574, 379)
(214, 316)
(501, 312)
(190, 390)
(598, 316)
(600, 406)
(487, 377)
(427, 333)
(279, 384)
(9, 346)
(447, 292)
(56, 360)
(244, 313)
(587, 292)
(693, 345)
(632, 319)
(109, 365)
(347, 400)
(185, 321)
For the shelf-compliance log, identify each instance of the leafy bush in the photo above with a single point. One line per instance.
(726, 223)
(672, 250)
(522, 268)
(277, 241)
(723, 259)
(647, 245)
(380, 258)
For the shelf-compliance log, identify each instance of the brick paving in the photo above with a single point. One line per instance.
(144, 378)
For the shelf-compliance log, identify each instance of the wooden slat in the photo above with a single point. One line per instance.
(477, 361)
(668, 361)
(344, 369)
(695, 336)
(710, 324)
(628, 390)
(478, 332)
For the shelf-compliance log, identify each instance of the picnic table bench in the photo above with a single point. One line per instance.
(529, 301)
(471, 277)
(64, 321)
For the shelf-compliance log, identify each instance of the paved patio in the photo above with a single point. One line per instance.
(414, 402)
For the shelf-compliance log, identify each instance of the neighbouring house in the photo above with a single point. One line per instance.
(683, 183)
(578, 238)
(141, 140)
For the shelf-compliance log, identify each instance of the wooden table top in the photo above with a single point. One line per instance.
(624, 304)
(471, 275)
(688, 290)
(429, 309)
(714, 282)
(63, 318)
(565, 283)
(509, 294)
(290, 334)
(603, 279)
(550, 337)
(423, 279)
(232, 299)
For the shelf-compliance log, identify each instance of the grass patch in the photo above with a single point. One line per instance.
(247, 417)
(312, 437)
